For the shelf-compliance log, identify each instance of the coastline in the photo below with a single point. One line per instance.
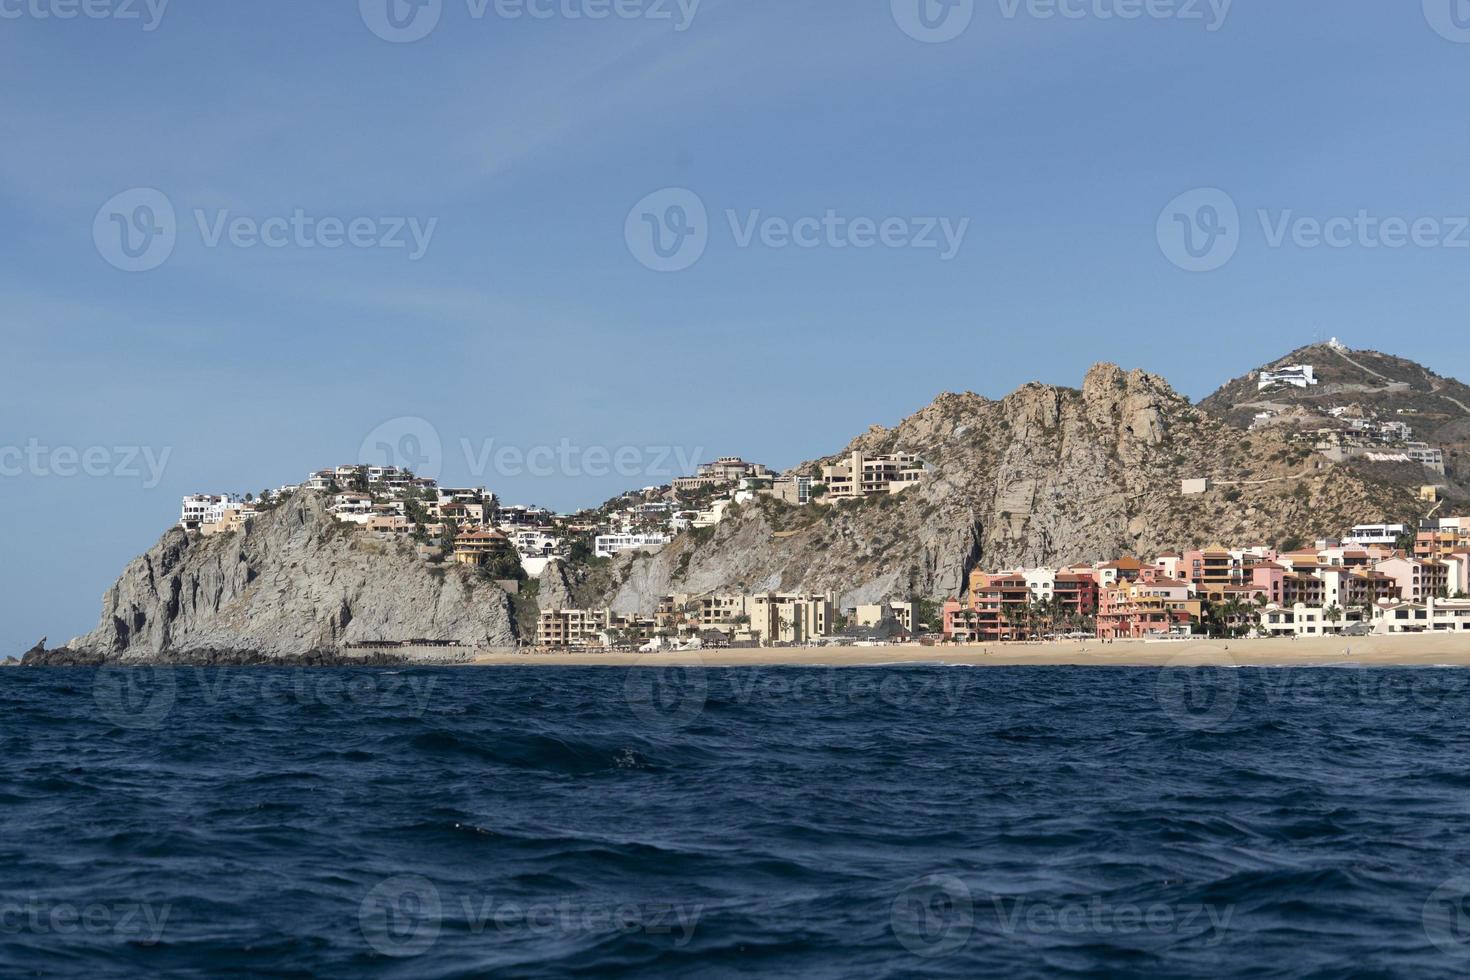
(1398, 650)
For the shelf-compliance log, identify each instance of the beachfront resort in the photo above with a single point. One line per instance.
(1377, 578)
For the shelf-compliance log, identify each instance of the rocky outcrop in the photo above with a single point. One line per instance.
(1045, 476)
(294, 583)
(556, 589)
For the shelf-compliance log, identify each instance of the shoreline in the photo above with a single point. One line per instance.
(1396, 650)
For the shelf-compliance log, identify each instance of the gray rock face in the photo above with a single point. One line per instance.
(1044, 476)
(555, 590)
(295, 581)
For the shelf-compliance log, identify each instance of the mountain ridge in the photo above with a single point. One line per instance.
(1046, 475)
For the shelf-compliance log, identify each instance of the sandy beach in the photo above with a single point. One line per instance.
(1417, 650)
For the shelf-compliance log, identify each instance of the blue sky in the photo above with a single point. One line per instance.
(529, 318)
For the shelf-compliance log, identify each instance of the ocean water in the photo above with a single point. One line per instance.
(889, 822)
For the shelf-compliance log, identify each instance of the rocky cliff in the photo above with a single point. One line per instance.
(296, 581)
(1044, 476)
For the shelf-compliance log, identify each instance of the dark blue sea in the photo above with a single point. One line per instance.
(885, 822)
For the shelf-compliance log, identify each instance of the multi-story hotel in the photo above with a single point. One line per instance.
(861, 475)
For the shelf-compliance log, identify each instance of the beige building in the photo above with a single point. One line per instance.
(794, 490)
(777, 617)
(571, 629)
(389, 524)
(721, 473)
(231, 519)
(592, 629)
(906, 613)
(726, 613)
(861, 475)
(474, 547)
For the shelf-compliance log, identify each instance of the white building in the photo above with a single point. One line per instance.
(519, 515)
(1430, 616)
(1296, 375)
(1425, 455)
(715, 514)
(351, 504)
(205, 508)
(1303, 620)
(1366, 534)
(607, 545)
(532, 541)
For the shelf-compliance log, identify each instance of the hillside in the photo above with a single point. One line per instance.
(294, 582)
(1044, 476)
(1437, 408)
